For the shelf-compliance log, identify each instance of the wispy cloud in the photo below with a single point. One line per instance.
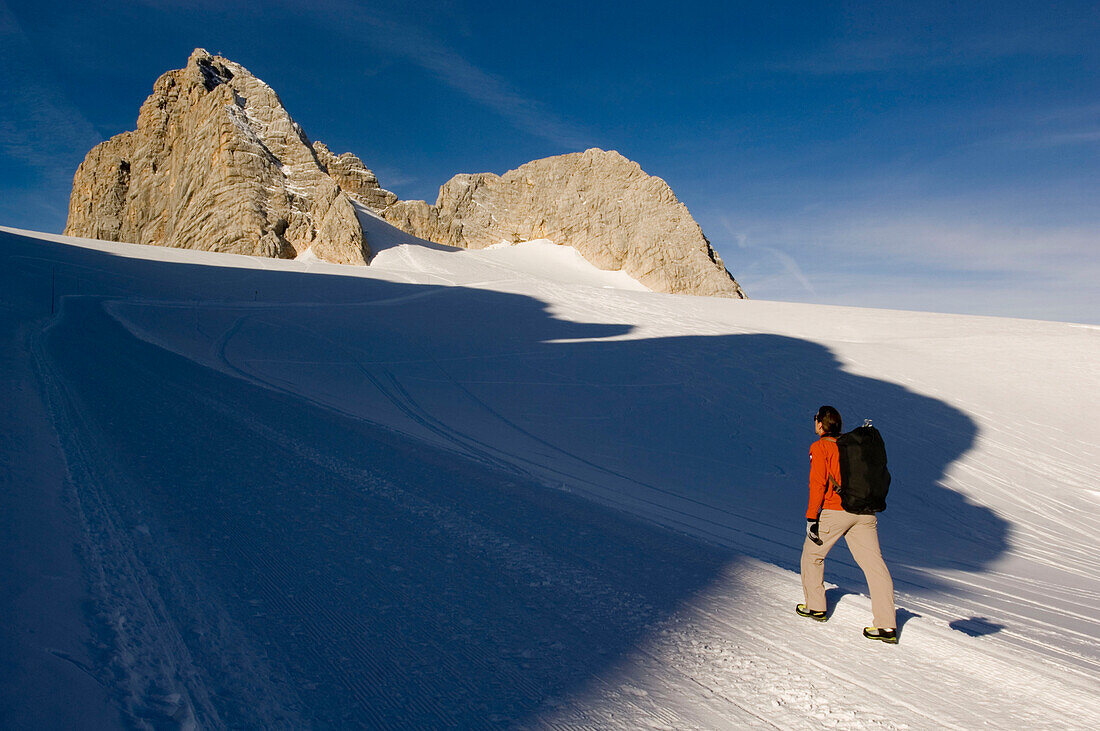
(969, 247)
(392, 176)
(937, 260)
(386, 30)
(918, 290)
(790, 266)
(883, 36)
(1043, 128)
(491, 91)
(1070, 138)
(1036, 138)
(40, 127)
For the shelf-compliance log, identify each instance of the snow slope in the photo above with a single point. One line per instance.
(502, 488)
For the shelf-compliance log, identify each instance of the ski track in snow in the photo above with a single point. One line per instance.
(333, 509)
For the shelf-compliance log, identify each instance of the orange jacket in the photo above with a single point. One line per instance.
(824, 461)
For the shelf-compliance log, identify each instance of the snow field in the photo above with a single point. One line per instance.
(431, 491)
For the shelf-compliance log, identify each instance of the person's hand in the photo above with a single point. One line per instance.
(812, 528)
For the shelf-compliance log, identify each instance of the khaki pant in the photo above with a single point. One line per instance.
(861, 534)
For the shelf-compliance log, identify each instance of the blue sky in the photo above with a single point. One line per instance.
(938, 156)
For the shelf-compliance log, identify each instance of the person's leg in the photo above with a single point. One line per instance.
(832, 525)
(862, 541)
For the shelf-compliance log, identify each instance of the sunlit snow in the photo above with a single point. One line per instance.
(504, 488)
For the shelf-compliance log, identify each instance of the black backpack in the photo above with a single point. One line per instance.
(864, 479)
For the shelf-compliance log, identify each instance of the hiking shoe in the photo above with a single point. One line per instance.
(811, 613)
(889, 636)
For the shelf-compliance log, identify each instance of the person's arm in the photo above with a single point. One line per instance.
(819, 481)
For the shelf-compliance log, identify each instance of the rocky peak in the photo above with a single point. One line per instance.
(602, 204)
(212, 71)
(217, 163)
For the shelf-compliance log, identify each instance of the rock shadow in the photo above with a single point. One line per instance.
(346, 514)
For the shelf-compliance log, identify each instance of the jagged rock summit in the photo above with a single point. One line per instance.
(216, 163)
(600, 203)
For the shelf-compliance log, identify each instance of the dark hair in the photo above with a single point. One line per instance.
(830, 420)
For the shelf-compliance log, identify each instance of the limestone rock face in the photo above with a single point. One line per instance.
(216, 163)
(600, 203)
(354, 178)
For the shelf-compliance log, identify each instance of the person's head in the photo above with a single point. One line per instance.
(830, 421)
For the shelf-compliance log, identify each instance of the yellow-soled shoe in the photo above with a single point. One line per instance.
(811, 613)
(889, 636)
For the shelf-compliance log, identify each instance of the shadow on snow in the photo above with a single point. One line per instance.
(420, 572)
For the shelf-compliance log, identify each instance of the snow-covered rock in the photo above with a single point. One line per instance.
(600, 203)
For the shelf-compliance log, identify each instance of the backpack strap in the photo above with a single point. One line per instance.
(832, 482)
